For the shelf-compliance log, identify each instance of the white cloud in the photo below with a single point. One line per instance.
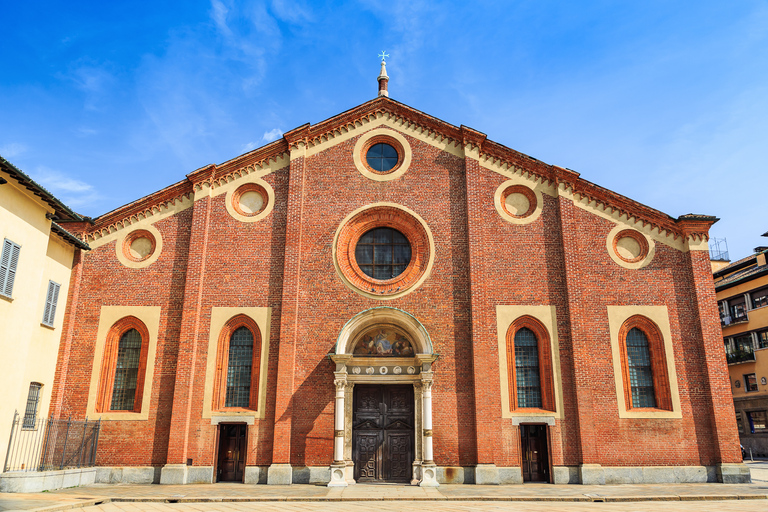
(268, 137)
(72, 192)
(12, 149)
(249, 147)
(271, 135)
(292, 13)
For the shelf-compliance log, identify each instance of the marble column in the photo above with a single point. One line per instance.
(428, 468)
(339, 467)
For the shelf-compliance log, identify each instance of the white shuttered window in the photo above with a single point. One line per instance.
(8, 261)
(51, 298)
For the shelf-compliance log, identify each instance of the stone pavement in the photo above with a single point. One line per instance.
(238, 497)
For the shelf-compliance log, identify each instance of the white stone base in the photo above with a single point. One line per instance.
(39, 481)
(255, 475)
(280, 474)
(338, 475)
(733, 473)
(487, 474)
(128, 475)
(181, 474)
(428, 476)
(591, 474)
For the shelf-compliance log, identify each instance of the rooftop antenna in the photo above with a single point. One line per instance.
(383, 78)
(718, 249)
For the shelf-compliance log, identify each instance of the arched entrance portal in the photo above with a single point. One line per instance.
(383, 379)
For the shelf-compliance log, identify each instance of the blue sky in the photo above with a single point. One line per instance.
(663, 101)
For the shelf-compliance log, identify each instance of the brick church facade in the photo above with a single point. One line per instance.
(386, 296)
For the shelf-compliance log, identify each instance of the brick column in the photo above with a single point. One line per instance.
(68, 332)
(191, 343)
(280, 472)
(725, 437)
(487, 406)
(581, 342)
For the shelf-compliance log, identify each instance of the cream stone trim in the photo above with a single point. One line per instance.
(220, 316)
(230, 189)
(380, 119)
(537, 191)
(383, 315)
(623, 263)
(140, 220)
(659, 315)
(357, 155)
(123, 234)
(150, 315)
(427, 270)
(547, 315)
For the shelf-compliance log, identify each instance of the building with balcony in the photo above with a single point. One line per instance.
(742, 297)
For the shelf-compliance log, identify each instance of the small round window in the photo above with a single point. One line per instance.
(381, 157)
(383, 253)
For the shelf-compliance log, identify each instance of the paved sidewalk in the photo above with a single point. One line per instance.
(78, 497)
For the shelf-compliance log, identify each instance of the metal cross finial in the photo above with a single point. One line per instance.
(383, 55)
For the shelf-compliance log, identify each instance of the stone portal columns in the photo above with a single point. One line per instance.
(428, 468)
(339, 466)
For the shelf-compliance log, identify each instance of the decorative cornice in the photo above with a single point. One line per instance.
(472, 143)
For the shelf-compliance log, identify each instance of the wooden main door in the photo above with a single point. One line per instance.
(232, 448)
(534, 449)
(382, 433)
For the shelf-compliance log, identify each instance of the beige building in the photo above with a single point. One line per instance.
(36, 260)
(742, 297)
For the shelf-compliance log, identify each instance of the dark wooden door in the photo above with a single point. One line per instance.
(232, 448)
(534, 449)
(382, 433)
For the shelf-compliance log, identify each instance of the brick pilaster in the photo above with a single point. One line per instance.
(68, 333)
(482, 320)
(581, 342)
(286, 366)
(725, 437)
(191, 343)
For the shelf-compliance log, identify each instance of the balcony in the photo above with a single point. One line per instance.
(740, 356)
(736, 318)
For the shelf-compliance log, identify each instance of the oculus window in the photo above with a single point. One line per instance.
(381, 157)
(383, 253)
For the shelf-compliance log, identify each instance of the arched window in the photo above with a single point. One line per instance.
(124, 366)
(644, 365)
(236, 384)
(529, 363)
(527, 369)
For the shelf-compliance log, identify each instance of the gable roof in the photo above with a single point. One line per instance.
(311, 135)
(61, 211)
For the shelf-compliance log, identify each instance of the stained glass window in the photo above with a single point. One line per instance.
(383, 253)
(640, 372)
(239, 368)
(527, 369)
(126, 371)
(381, 157)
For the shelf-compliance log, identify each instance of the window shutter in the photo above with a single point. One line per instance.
(50, 303)
(8, 262)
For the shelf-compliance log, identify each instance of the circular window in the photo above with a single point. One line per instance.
(383, 253)
(381, 157)
(630, 246)
(139, 245)
(250, 199)
(383, 154)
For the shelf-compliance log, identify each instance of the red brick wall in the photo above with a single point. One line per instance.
(284, 261)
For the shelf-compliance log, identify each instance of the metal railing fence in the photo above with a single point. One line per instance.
(49, 444)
